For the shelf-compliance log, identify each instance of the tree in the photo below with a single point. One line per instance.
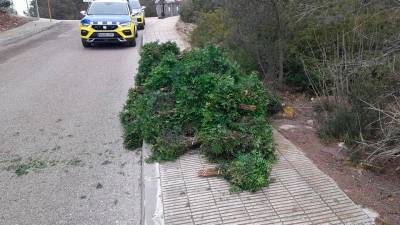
(150, 10)
(60, 9)
(6, 5)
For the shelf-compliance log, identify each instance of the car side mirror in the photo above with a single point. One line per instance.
(84, 13)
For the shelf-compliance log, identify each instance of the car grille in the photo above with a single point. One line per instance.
(104, 27)
(94, 35)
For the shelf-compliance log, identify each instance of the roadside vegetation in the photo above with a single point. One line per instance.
(5, 6)
(342, 53)
(201, 100)
(8, 17)
(70, 10)
(60, 9)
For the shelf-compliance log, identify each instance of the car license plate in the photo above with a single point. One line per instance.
(105, 35)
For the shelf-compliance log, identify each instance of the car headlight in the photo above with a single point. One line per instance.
(137, 14)
(85, 22)
(127, 24)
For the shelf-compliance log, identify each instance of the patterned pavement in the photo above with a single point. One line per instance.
(299, 194)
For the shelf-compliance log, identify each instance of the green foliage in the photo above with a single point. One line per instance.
(187, 11)
(296, 76)
(132, 136)
(249, 172)
(197, 95)
(211, 29)
(60, 9)
(5, 5)
(190, 10)
(344, 51)
(275, 104)
(342, 124)
(169, 146)
(352, 117)
(23, 168)
(150, 56)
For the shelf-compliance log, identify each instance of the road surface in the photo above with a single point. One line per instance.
(60, 132)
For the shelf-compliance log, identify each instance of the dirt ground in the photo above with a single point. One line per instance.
(9, 21)
(379, 191)
(185, 29)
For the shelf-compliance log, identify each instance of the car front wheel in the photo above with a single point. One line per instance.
(86, 44)
(132, 43)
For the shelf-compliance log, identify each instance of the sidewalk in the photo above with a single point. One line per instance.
(25, 31)
(299, 192)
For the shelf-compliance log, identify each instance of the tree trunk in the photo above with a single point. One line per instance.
(281, 58)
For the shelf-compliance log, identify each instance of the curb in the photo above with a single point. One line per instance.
(152, 208)
(18, 37)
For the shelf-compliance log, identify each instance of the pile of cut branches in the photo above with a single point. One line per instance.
(199, 99)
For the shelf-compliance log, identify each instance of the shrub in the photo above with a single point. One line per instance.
(150, 56)
(275, 104)
(248, 172)
(191, 9)
(132, 135)
(296, 76)
(341, 123)
(5, 5)
(350, 116)
(168, 146)
(211, 29)
(186, 11)
(197, 95)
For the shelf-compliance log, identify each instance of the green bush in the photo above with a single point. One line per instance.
(150, 56)
(168, 146)
(197, 95)
(248, 172)
(296, 76)
(132, 135)
(191, 9)
(186, 11)
(211, 29)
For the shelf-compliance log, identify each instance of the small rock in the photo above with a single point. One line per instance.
(310, 122)
(342, 146)
(99, 186)
(287, 127)
(106, 162)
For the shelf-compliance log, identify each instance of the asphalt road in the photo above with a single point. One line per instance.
(59, 130)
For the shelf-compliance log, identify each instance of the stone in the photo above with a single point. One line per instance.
(287, 127)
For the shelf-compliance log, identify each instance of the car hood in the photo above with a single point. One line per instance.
(106, 19)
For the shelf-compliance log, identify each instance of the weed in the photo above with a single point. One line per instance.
(75, 162)
(23, 168)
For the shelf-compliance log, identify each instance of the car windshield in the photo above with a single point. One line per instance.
(108, 8)
(135, 4)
